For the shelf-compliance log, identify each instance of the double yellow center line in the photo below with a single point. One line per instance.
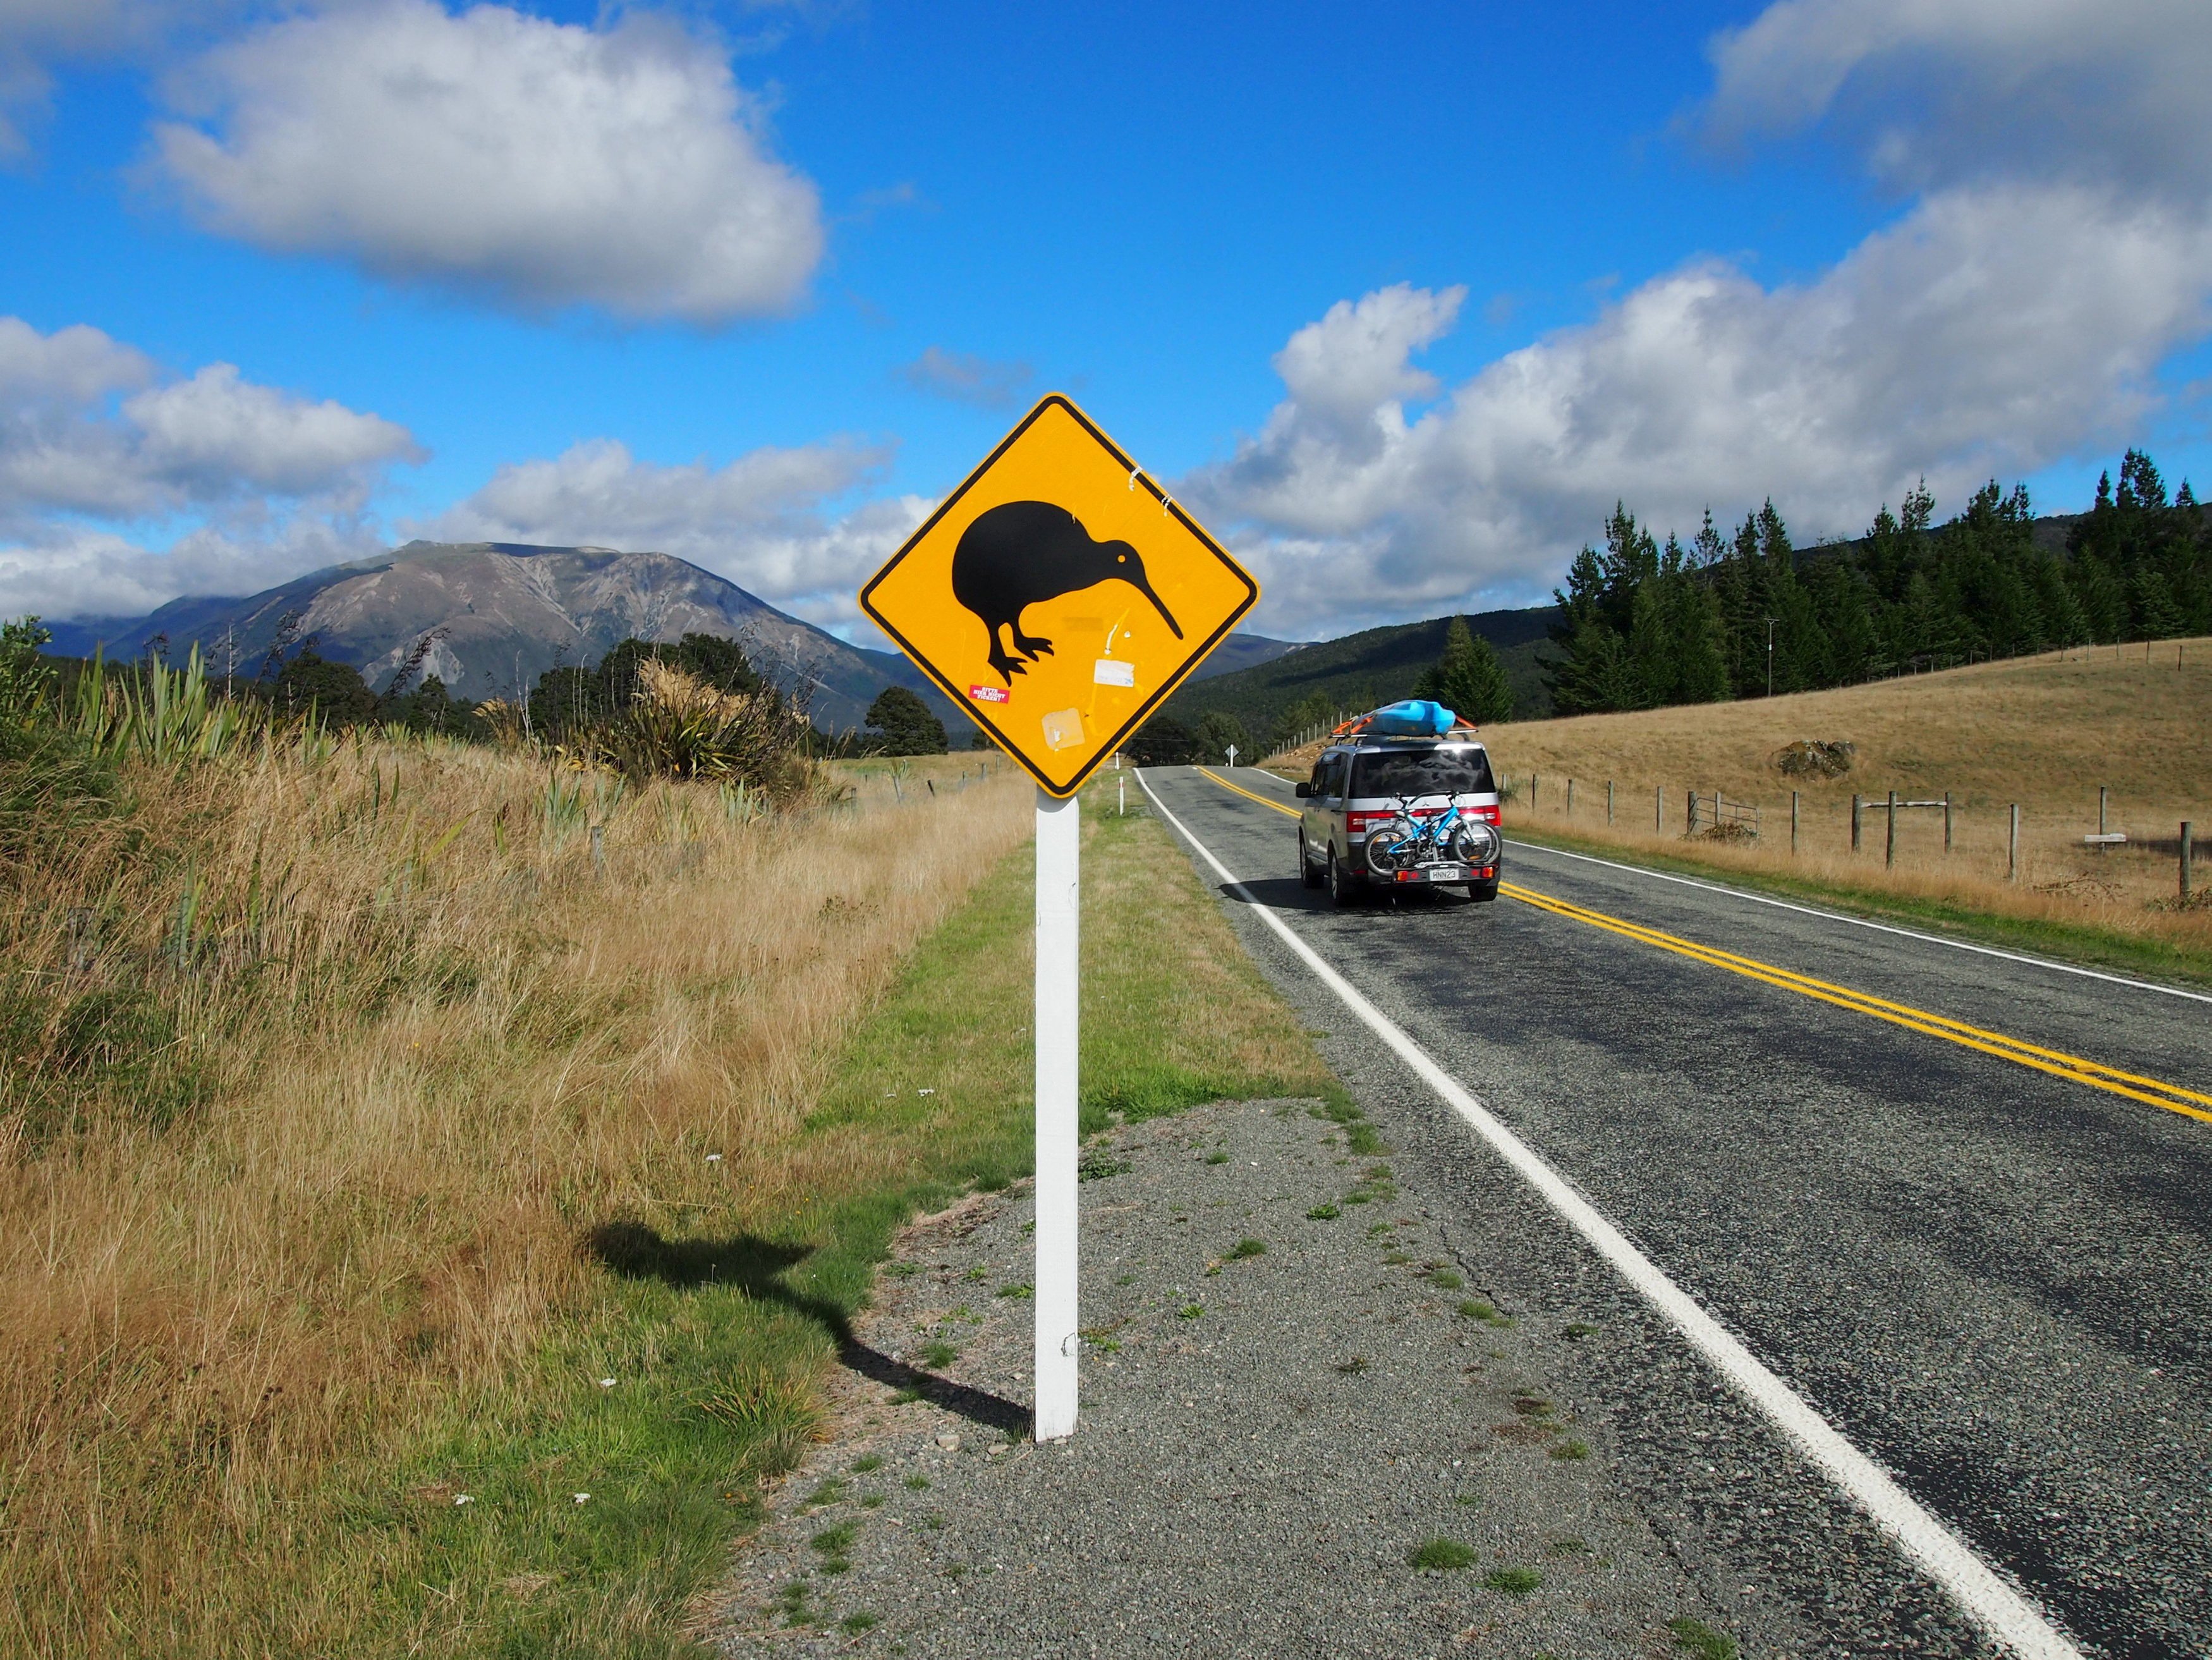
(2056, 1062)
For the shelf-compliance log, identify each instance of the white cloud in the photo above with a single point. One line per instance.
(1941, 91)
(537, 163)
(65, 570)
(216, 435)
(761, 521)
(2016, 314)
(95, 439)
(966, 378)
(35, 35)
(67, 447)
(1349, 370)
(1989, 333)
(70, 367)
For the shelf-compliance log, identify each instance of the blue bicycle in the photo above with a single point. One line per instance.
(1410, 849)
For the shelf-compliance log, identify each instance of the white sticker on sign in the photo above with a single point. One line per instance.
(1063, 729)
(1112, 671)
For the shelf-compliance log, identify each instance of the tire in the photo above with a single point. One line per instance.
(1482, 892)
(1308, 876)
(1343, 886)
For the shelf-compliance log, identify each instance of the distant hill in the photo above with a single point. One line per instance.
(1243, 650)
(1376, 666)
(510, 612)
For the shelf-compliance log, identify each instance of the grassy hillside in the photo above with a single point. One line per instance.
(2043, 732)
(1376, 666)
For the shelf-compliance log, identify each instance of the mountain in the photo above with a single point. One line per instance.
(1376, 666)
(509, 613)
(1243, 650)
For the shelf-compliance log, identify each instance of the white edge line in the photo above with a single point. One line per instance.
(2002, 1612)
(1862, 922)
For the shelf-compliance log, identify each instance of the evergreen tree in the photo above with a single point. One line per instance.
(1468, 679)
(335, 691)
(1598, 612)
(1638, 627)
(565, 702)
(1707, 549)
(1215, 732)
(1699, 643)
(1310, 710)
(2157, 615)
(905, 725)
(1163, 741)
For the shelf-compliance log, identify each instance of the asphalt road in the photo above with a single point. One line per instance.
(1995, 1281)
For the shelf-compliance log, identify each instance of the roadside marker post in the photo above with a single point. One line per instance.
(1057, 597)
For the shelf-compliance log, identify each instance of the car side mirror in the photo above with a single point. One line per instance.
(1303, 789)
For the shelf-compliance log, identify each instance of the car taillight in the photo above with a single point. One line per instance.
(1356, 822)
(1483, 815)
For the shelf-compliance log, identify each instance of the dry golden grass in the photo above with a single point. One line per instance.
(421, 1038)
(2043, 732)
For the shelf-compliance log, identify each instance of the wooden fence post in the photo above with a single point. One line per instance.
(2012, 848)
(1659, 810)
(1609, 802)
(1793, 821)
(1947, 823)
(1690, 820)
(1889, 842)
(1532, 794)
(1855, 801)
(2187, 848)
(1571, 798)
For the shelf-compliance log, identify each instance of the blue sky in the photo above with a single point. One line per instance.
(1402, 302)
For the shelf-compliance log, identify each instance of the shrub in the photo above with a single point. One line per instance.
(679, 727)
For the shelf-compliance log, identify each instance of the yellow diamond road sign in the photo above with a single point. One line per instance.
(1059, 595)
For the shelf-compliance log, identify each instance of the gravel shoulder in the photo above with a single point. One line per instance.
(1293, 1382)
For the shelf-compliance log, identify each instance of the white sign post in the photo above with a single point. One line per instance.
(1059, 850)
(1232, 755)
(1055, 511)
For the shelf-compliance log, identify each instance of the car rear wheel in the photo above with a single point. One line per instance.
(1343, 886)
(1308, 876)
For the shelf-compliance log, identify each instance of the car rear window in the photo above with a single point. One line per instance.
(1423, 772)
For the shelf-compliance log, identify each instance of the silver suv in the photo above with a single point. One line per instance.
(1397, 812)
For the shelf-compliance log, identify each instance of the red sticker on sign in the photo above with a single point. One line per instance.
(990, 694)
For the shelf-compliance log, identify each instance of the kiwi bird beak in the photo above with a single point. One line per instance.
(1144, 587)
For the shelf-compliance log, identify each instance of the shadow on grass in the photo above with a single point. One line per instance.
(756, 1267)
